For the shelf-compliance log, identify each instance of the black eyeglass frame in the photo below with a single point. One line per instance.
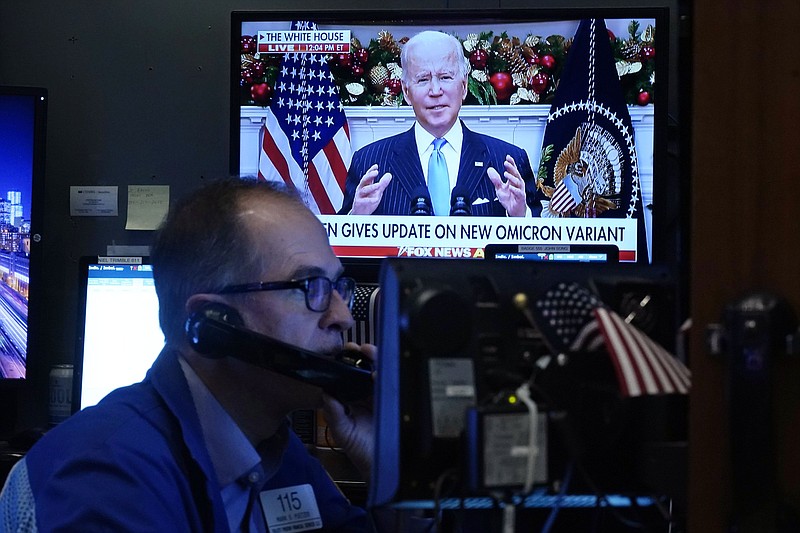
(344, 286)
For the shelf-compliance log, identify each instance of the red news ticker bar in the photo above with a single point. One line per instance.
(365, 251)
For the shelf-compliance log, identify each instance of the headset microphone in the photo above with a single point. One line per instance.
(217, 330)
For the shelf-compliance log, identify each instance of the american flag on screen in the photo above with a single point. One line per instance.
(572, 319)
(305, 140)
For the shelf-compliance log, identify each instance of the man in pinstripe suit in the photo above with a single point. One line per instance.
(386, 175)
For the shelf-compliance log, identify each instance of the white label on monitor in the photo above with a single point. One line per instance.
(505, 449)
(452, 383)
(105, 260)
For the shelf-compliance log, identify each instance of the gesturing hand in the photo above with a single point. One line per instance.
(368, 193)
(511, 192)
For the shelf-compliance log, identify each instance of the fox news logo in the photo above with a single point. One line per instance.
(438, 251)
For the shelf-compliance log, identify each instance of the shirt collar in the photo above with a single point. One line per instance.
(231, 453)
(454, 138)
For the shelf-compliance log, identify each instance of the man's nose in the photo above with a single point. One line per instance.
(338, 314)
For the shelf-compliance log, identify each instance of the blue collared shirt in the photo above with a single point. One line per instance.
(240, 469)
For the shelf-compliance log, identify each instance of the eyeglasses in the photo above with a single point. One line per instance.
(317, 289)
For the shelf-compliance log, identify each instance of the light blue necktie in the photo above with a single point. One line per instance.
(438, 180)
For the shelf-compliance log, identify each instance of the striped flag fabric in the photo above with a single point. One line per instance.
(642, 366)
(305, 140)
(572, 319)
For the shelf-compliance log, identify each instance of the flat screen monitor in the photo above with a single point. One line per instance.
(22, 161)
(118, 336)
(587, 106)
(457, 340)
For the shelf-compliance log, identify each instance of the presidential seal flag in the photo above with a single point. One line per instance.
(305, 140)
(588, 166)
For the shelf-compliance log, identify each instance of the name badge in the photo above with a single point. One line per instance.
(291, 509)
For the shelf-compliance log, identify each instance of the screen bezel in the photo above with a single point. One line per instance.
(667, 220)
(39, 97)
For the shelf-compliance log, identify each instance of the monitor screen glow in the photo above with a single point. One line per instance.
(119, 336)
(22, 141)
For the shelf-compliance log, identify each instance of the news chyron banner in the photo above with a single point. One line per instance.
(304, 41)
(467, 237)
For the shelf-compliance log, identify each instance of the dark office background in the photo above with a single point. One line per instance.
(139, 94)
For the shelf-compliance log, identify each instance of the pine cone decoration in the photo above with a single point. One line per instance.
(378, 76)
(513, 57)
(387, 42)
(247, 60)
(630, 50)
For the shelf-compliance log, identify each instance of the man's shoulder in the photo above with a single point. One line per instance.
(130, 414)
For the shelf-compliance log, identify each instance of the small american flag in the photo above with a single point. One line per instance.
(572, 319)
(365, 314)
(305, 140)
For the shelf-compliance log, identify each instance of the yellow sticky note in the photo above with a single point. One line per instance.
(147, 206)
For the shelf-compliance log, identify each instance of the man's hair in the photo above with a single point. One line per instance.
(444, 40)
(202, 246)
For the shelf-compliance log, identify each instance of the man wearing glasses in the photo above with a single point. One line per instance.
(203, 444)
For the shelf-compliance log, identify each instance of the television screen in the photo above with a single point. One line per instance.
(22, 143)
(578, 96)
(119, 336)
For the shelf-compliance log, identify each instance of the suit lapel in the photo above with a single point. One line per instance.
(405, 163)
(472, 169)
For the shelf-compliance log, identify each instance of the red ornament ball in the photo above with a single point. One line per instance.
(394, 86)
(534, 59)
(248, 44)
(503, 85)
(648, 52)
(260, 93)
(539, 82)
(344, 60)
(246, 76)
(357, 69)
(478, 58)
(258, 69)
(362, 54)
(548, 61)
(643, 98)
(611, 36)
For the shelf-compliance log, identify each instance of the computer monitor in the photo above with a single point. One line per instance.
(118, 336)
(457, 339)
(22, 165)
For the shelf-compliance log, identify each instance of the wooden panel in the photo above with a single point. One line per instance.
(745, 236)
